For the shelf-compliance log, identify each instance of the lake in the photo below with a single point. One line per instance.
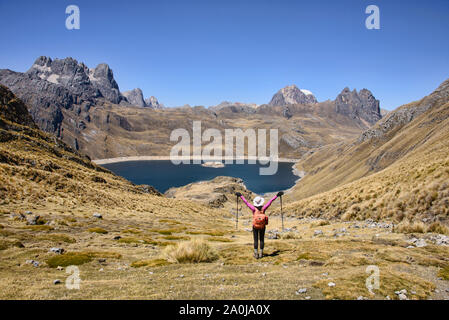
(163, 174)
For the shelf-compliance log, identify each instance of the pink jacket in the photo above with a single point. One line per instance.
(265, 207)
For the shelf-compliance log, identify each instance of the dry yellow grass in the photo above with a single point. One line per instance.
(40, 174)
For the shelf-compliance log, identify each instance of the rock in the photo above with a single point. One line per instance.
(152, 102)
(33, 263)
(59, 268)
(33, 220)
(308, 298)
(57, 250)
(303, 290)
(135, 97)
(402, 296)
(57, 281)
(317, 233)
(117, 238)
(362, 298)
(102, 260)
(292, 95)
(181, 276)
(274, 236)
(28, 212)
(331, 284)
(362, 105)
(387, 298)
(421, 243)
(440, 240)
(97, 215)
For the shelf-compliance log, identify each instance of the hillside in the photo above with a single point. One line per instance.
(58, 209)
(397, 170)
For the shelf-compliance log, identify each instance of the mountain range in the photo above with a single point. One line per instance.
(86, 109)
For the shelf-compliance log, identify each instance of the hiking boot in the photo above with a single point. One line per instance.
(256, 254)
(261, 254)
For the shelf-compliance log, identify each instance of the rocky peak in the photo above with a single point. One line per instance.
(292, 95)
(152, 102)
(135, 97)
(360, 104)
(77, 77)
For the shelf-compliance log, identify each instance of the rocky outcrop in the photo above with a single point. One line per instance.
(234, 107)
(13, 109)
(50, 86)
(78, 78)
(216, 193)
(135, 97)
(292, 95)
(358, 105)
(152, 102)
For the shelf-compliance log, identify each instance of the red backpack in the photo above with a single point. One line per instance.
(260, 220)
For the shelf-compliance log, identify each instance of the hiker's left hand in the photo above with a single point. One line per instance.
(280, 194)
(238, 194)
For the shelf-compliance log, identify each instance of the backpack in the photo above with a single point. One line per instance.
(260, 220)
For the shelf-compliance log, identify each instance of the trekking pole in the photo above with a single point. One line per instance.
(237, 215)
(282, 215)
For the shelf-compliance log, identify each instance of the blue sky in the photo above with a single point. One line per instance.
(204, 52)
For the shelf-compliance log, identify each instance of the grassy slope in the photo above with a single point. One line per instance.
(403, 173)
(114, 131)
(40, 174)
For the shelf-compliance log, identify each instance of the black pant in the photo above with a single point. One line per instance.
(258, 234)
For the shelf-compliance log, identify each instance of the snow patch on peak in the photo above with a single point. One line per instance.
(307, 92)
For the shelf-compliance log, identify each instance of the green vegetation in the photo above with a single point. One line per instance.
(97, 230)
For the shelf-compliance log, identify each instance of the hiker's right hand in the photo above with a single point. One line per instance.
(238, 194)
(280, 194)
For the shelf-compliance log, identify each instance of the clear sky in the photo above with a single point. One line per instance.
(204, 52)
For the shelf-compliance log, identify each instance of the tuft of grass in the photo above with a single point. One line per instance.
(420, 227)
(4, 244)
(208, 233)
(150, 263)
(437, 227)
(175, 238)
(97, 230)
(132, 231)
(319, 223)
(57, 238)
(304, 256)
(411, 227)
(79, 258)
(218, 239)
(194, 251)
(39, 228)
(290, 235)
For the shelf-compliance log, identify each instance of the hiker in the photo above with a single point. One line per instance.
(260, 220)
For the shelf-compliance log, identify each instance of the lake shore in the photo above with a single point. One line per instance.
(152, 158)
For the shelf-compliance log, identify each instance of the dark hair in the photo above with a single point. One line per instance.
(259, 208)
